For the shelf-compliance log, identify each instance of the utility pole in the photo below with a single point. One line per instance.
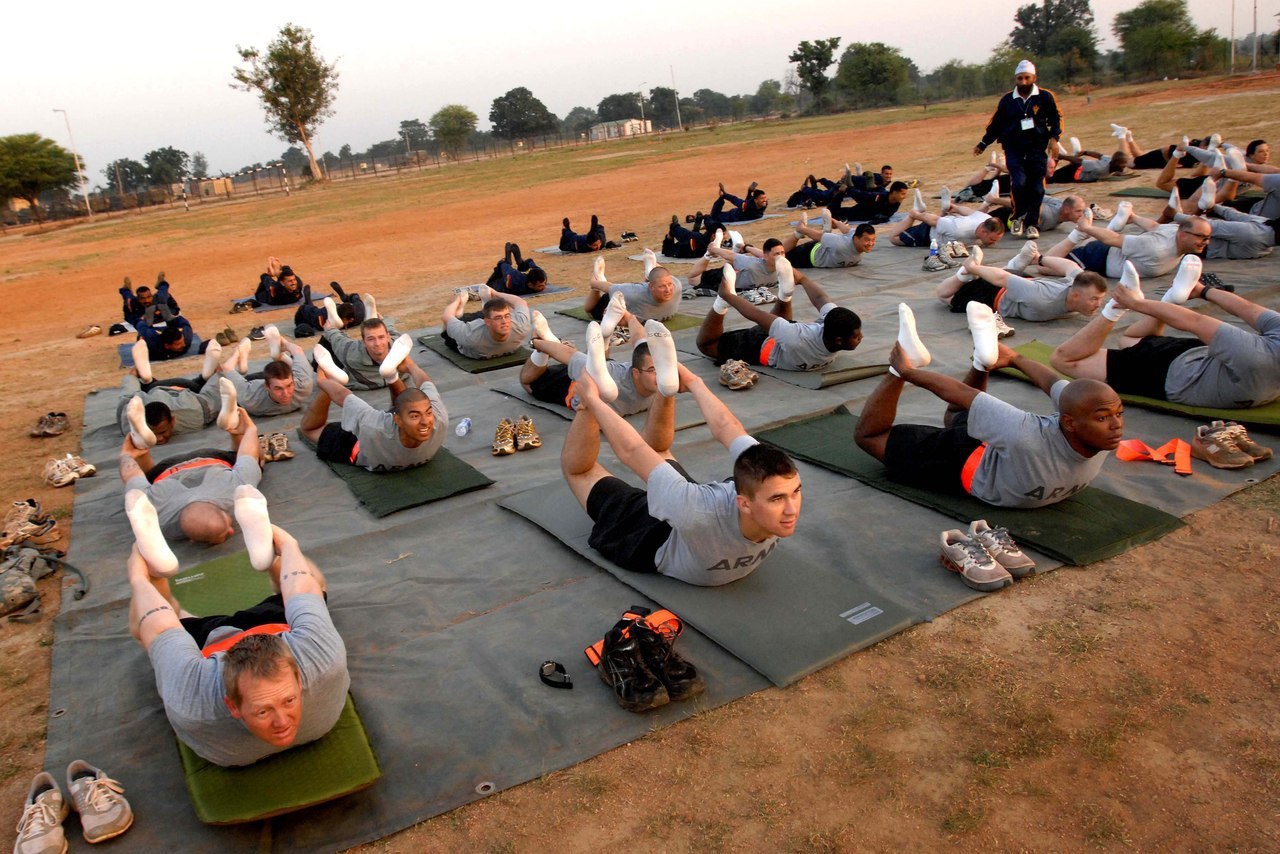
(1255, 36)
(1233, 36)
(84, 188)
(676, 96)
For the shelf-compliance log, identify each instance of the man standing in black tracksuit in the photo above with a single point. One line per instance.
(1027, 123)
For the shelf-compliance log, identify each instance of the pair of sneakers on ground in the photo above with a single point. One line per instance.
(62, 471)
(986, 558)
(518, 435)
(1227, 445)
(104, 813)
(26, 522)
(274, 447)
(640, 664)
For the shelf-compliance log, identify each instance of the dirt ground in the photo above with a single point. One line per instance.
(1130, 703)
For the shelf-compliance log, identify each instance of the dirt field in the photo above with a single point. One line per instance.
(1131, 703)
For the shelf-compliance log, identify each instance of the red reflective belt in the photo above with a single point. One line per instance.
(355, 451)
(568, 398)
(1175, 452)
(971, 467)
(187, 466)
(999, 296)
(226, 643)
(766, 349)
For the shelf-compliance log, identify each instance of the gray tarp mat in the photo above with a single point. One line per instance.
(431, 635)
(786, 619)
(687, 415)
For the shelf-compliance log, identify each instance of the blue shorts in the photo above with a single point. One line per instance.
(1092, 256)
(916, 235)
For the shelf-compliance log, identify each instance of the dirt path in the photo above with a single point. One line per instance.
(1132, 702)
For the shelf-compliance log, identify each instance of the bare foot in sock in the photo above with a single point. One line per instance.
(229, 415)
(400, 348)
(324, 360)
(912, 347)
(273, 340)
(212, 359)
(662, 349)
(140, 434)
(255, 525)
(161, 561)
(613, 314)
(597, 366)
(982, 325)
(142, 361)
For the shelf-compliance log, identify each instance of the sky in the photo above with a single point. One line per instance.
(144, 75)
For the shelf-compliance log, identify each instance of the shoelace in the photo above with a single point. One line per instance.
(102, 793)
(1000, 537)
(1235, 433)
(38, 816)
(525, 429)
(976, 551)
(506, 432)
(1226, 437)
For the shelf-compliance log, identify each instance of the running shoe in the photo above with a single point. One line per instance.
(1003, 550)
(527, 437)
(278, 447)
(1218, 448)
(504, 439)
(622, 668)
(1241, 437)
(104, 813)
(736, 376)
(40, 828)
(967, 556)
(657, 651)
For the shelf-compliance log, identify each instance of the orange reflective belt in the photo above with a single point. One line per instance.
(971, 467)
(662, 621)
(999, 296)
(188, 466)
(1175, 452)
(355, 451)
(573, 391)
(766, 350)
(226, 643)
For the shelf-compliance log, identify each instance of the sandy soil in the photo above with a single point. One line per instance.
(1129, 703)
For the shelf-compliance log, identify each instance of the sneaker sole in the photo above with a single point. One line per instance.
(503, 452)
(983, 586)
(1201, 455)
(660, 697)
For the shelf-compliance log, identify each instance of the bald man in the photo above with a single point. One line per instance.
(990, 449)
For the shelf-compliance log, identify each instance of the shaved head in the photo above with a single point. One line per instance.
(203, 522)
(1082, 396)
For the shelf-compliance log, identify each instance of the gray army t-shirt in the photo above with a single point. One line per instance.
(629, 401)
(354, 358)
(252, 394)
(798, 346)
(191, 410)
(380, 446)
(706, 546)
(191, 686)
(641, 303)
(1153, 253)
(475, 342)
(214, 483)
(835, 250)
(1050, 213)
(753, 272)
(1028, 462)
(1269, 206)
(1034, 299)
(1237, 370)
(962, 228)
(1093, 170)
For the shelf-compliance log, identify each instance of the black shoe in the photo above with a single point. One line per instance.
(629, 237)
(257, 333)
(1211, 281)
(516, 257)
(679, 677)
(117, 329)
(595, 224)
(613, 245)
(688, 218)
(752, 189)
(239, 307)
(675, 219)
(697, 221)
(334, 286)
(621, 668)
(565, 222)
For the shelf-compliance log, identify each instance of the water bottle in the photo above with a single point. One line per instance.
(933, 247)
(464, 427)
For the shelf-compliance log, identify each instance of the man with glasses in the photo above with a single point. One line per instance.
(1154, 252)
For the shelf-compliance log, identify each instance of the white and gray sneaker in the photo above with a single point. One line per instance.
(40, 828)
(1003, 330)
(1002, 548)
(967, 556)
(104, 813)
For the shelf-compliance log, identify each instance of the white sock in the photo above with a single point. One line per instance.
(857, 168)
(242, 355)
(539, 358)
(716, 240)
(735, 238)
(1075, 145)
(730, 278)
(974, 260)
(1118, 131)
(324, 359)
(542, 330)
(597, 366)
(229, 415)
(1208, 190)
(613, 314)
(1215, 140)
(400, 348)
(370, 307)
(1019, 263)
(719, 306)
(1175, 201)
(142, 435)
(945, 195)
(911, 344)
(982, 325)
(597, 269)
(331, 309)
(1129, 278)
(255, 525)
(650, 261)
(161, 561)
(992, 197)
(273, 339)
(142, 361)
(662, 348)
(1123, 211)
(917, 203)
(786, 279)
(212, 359)
(1185, 279)
(1235, 160)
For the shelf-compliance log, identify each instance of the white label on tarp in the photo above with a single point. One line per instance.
(861, 613)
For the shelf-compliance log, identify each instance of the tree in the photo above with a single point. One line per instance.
(296, 86)
(418, 134)
(451, 125)
(294, 160)
(873, 74)
(518, 114)
(199, 166)
(661, 107)
(616, 108)
(125, 175)
(1157, 36)
(345, 152)
(31, 164)
(767, 99)
(579, 121)
(167, 166)
(812, 60)
(715, 105)
(1037, 26)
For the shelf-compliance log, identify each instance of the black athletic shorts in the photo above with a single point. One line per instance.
(229, 457)
(916, 235)
(930, 457)
(1156, 158)
(465, 318)
(597, 313)
(976, 291)
(802, 255)
(1064, 174)
(552, 386)
(337, 445)
(741, 344)
(1188, 186)
(623, 531)
(269, 610)
(1142, 368)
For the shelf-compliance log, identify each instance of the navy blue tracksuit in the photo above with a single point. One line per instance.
(1024, 127)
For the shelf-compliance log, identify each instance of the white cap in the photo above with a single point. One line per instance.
(1025, 67)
